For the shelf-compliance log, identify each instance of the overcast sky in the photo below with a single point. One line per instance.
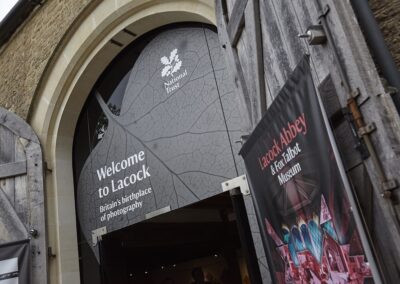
(5, 7)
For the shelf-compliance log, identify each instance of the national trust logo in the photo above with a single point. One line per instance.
(171, 66)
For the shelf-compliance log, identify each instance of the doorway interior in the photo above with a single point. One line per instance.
(195, 243)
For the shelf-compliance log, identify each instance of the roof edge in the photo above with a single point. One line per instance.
(17, 15)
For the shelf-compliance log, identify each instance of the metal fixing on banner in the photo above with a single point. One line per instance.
(237, 182)
(158, 212)
(96, 234)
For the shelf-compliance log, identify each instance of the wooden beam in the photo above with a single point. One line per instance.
(17, 125)
(234, 67)
(254, 36)
(11, 228)
(236, 21)
(12, 169)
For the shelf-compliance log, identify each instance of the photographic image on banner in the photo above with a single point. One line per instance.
(305, 215)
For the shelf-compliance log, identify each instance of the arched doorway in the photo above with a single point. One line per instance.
(156, 134)
(74, 68)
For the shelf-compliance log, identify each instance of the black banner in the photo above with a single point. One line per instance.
(14, 263)
(308, 228)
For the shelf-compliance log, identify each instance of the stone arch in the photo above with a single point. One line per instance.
(64, 88)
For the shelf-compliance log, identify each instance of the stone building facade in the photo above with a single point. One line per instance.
(25, 56)
(22, 67)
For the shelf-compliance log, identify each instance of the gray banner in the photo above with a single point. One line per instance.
(171, 142)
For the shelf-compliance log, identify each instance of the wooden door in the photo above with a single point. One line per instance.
(22, 204)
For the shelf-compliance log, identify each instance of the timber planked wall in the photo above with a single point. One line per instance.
(21, 191)
(261, 44)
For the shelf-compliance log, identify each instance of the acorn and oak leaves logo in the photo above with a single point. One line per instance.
(171, 64)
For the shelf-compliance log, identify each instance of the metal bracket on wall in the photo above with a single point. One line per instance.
(359, 144)
(387, 187)
(96, 234)
(46, 167)
(238, 182)
(50, 252)
(367, 129)
(314, 34)
(325, 12)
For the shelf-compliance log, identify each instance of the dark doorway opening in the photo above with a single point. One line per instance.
(200, 241)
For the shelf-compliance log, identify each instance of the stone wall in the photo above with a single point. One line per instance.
(387, 13)
(24, 58)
